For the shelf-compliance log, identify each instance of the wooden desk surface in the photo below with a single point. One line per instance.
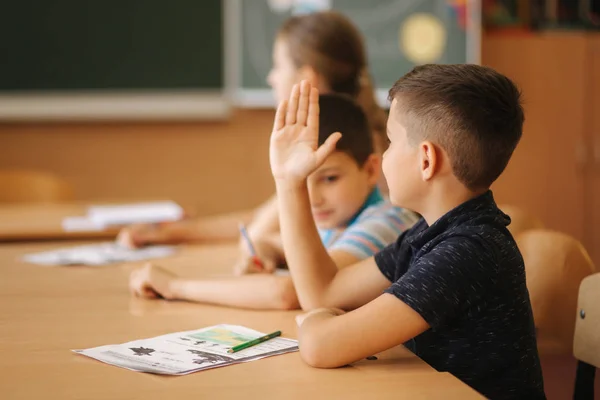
(47, 311)
(43, 221)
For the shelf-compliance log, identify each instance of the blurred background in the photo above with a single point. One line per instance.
(137, 99)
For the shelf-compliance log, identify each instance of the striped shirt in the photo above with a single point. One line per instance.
(376, 225)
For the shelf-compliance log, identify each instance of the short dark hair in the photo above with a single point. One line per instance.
(474, 113)
(339, 113)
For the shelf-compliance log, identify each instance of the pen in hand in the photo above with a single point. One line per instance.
(255, 259)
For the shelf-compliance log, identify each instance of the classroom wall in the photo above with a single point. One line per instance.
(212, 166)
(220, 166)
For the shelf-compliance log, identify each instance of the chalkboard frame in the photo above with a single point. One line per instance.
(122, 104)
(263, 98)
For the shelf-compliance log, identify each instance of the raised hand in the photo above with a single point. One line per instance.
(294, 151)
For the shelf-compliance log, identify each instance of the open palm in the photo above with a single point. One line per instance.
(294, 151)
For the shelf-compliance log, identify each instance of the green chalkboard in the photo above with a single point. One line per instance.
(385, 24)
(90, 45)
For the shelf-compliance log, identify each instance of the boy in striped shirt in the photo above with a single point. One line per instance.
(353, 219)
(377, 224)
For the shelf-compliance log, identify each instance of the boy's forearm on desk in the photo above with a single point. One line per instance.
(328, 341)
(252, 291)
(308, 260)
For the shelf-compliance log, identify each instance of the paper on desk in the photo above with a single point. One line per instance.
(125, 214)
(186, 352)
(97, 254)
(80, 224)
(101, 217)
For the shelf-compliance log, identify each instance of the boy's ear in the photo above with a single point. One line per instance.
(372, 168)
(428, 160)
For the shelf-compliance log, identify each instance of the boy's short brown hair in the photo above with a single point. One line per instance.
(474, 113)
(340, 113)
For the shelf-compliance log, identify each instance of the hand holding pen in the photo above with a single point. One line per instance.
(255, 259)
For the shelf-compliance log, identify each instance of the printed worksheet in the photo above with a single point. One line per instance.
(186, 352)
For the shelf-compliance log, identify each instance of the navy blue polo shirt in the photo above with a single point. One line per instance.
(465, 276)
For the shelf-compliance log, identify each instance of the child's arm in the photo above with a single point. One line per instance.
(261, 292)
(329, 341)
(261, 221)
(265, 219)
(439, 288)
(294, 155)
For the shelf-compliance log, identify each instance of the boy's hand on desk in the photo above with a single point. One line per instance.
(152, 282)
(319, 311)
(294, 151)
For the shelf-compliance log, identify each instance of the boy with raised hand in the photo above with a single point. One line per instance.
(455, 282)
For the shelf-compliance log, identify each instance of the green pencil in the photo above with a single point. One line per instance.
(254, 342)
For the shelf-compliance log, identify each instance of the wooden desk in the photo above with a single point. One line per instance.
(47, 311)
(43, 221)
